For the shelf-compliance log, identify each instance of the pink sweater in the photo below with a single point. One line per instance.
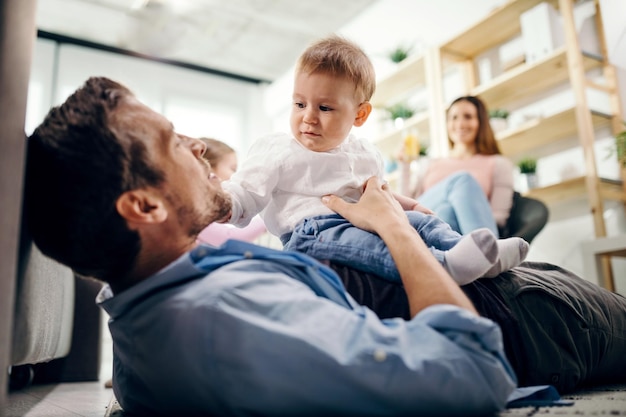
(494, 173)
(217, 233)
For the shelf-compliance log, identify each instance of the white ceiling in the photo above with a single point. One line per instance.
(259, 39)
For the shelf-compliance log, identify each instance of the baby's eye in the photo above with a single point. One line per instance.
(299, 105)
(325, 108)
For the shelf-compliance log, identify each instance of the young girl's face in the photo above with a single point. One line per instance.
(226, 166)
(324, 110)
(463, 123)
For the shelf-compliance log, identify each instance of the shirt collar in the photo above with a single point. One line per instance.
(180, 270)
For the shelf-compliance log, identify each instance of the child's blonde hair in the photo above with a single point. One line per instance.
(340, 57)
(215, 150)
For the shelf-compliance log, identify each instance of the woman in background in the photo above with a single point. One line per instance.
(223, 160)
(473, 186)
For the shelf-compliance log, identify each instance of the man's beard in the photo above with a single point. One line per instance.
(221, 207)
(197, 220)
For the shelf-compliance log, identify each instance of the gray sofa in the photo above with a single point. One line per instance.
(44, 311)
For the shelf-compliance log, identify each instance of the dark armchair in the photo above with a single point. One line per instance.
(528, 216)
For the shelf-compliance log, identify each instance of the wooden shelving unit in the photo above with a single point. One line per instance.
(496, 28)
(567, 67)
(418, 72)
(410, 74)
(576, 188)
(542, 132)
(528, 80)
(389, 143)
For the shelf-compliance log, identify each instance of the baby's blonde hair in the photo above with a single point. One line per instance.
(340, 57)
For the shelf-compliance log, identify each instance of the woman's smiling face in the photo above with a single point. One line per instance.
(463, 123)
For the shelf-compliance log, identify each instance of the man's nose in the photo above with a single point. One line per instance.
(198, 147)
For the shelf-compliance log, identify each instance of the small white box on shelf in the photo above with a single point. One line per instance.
(542, 31)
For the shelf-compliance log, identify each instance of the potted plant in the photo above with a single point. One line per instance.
(499, 114)
(528, 170)
(620, 148)
(398, 113)
(400, 53)
(498, 119)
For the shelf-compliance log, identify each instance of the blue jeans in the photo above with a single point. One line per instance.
(331, 237)
(461, 202)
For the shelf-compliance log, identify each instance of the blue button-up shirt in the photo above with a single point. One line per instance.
(242, 331)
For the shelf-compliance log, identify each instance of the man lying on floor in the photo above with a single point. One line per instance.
(113, 192)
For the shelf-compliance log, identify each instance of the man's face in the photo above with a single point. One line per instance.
(323, 111)
(192, 193)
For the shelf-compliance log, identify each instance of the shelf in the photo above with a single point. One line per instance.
(544, 131)
(390, 143)
(576, 188)
(409, 75)
(498, 27)
(528, 80)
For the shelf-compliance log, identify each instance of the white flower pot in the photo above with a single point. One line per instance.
(498, 124)
(530, 180)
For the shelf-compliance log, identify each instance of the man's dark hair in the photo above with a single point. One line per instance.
(77, 167)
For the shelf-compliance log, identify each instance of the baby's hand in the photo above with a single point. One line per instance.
(422, 209)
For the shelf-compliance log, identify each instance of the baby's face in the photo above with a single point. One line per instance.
(324, 110)
(226, 166)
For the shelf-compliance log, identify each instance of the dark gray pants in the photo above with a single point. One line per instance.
(558, 328)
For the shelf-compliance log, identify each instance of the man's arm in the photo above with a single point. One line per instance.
(424, 279)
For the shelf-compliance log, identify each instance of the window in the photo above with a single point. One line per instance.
(199, 118)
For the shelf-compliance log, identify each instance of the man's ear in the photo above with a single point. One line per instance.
(363, 113)
(141, 206)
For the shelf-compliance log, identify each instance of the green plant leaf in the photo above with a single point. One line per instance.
(527, 165)
(401, 111)
(400, 53)
(499, 113)
(619, 148)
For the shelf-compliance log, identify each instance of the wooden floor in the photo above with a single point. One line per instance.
(599, 401)
(84, 399)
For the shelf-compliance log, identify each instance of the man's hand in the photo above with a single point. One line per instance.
(425, 281)
(376, 209)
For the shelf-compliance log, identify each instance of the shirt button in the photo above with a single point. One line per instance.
(380, 355)
(247, 254)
